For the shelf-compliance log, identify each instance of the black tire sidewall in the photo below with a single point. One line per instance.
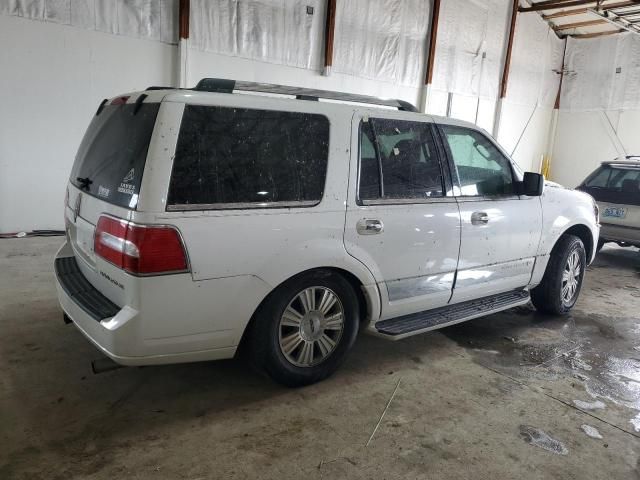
(573, 244)
(266, 342)
(579, 247)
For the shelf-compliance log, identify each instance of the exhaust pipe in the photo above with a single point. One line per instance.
(104, 364)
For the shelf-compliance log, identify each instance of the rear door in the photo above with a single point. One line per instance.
(401, 220)
(500, 230)
(105, 179)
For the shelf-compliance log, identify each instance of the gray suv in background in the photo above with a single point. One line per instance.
(615, 185)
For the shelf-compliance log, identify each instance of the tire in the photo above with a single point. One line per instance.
(309, 357)
(600, 245)
(548, 296)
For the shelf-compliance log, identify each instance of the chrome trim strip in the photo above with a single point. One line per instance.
(238, 206)
(408, 201)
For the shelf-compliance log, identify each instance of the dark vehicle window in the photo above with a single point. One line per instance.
(113, 152)
(482, 169)
(614, 184)
(614, 178)
(405, 153)
(238, 156)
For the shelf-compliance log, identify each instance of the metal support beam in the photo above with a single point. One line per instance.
(183, 43)
(431, 56)
(329, 34)
(183, 19)
(507, 60)
(539, 6)
(596, 34)
(565, 13)
(504, 81)
(568, 26)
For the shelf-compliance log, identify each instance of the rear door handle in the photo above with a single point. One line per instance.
(369, 227)
(479, 218)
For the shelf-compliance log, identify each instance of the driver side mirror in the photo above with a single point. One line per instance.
(532, 184)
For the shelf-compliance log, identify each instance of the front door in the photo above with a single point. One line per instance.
(500, 230)
(402, 221)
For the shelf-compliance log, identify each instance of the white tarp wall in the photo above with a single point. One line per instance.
(599, 107)
(470, 55)
(379, 46)
(469, 58)
(382, 39)
(89, 49)
(55, 72)
(534, 79)
(153, 20)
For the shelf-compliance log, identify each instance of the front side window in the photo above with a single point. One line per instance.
(482, 168)
(398, 160)
(259, 158)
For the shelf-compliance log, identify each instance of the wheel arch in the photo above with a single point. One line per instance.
(368, 298)
(583, 233)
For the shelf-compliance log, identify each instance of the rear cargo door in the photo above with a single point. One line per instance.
(105, 179)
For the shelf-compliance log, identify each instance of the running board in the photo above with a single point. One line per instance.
(415, 323)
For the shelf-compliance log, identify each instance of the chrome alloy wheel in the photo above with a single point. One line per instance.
(571, 277)
(311, 326)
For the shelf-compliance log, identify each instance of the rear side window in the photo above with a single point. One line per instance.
(111, 158)
(404, 154)
(239, 158)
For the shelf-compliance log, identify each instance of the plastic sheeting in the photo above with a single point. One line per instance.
(471, 46)
(602, 74)
(536, 62)
(148, 19)
(287, 32)
(382, 39)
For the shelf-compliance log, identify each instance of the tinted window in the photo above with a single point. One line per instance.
(235, 155)
(615, 178)
(482, 169)
(113, 152)
(405, 154)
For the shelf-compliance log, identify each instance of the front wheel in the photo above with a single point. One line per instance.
(562, 281)
(305, 328)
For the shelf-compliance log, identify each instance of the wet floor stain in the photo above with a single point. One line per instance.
(596, 352)
(539, 438)
(582, 405)
(590, 431)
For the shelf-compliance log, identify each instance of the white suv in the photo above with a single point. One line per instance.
(200, 221)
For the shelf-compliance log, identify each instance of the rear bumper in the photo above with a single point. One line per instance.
(618, 233)
(119, 334)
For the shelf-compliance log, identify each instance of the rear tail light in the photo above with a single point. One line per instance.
(140, 249)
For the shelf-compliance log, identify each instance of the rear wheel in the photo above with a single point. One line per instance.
(562, 281)
(306, 327)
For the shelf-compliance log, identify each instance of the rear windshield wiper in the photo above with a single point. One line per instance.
(84, 182)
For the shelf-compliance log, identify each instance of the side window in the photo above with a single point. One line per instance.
(404, 152)
(482, 168)
(246, 156)
(369, 168)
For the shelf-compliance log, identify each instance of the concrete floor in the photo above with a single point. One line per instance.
(499, 397)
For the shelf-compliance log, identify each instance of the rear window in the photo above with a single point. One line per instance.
(111, 157)
(615, 178)
(614, 184)
(243, 158)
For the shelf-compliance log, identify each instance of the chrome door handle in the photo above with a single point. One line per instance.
(369, 227)
(479, 218)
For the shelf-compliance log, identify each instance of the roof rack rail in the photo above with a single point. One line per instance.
(222, 85)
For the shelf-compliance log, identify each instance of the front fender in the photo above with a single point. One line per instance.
(564, 210)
